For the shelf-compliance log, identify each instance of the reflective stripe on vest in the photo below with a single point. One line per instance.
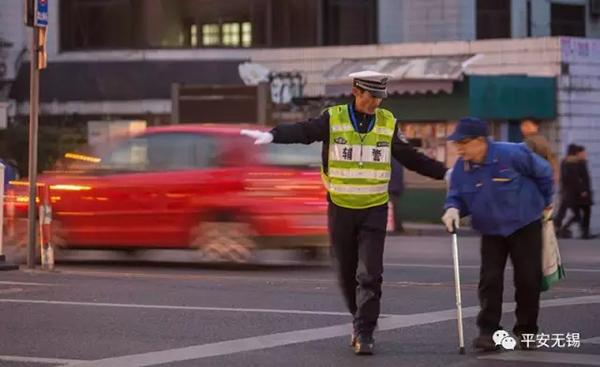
(359, 173)
(358, 189)
(359, 164)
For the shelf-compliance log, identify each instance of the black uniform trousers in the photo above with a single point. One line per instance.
(357, 238)
(525, 250)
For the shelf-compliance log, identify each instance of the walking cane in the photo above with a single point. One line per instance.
(459, 317)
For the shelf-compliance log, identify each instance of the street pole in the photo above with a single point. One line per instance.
(34, 79)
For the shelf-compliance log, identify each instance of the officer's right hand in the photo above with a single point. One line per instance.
(451, 218)
(260, 137)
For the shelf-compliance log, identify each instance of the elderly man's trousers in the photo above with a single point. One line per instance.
(357, 237)
(525, 250)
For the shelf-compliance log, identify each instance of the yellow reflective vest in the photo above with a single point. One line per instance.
(359, 164)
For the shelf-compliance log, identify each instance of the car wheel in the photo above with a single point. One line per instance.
(224, 241)
(312, 254)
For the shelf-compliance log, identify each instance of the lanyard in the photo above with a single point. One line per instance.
(355, 123)
(361, 136)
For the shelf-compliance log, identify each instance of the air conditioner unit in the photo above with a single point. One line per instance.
(594, 8)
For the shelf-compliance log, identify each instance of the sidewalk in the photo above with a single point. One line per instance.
(431, 229)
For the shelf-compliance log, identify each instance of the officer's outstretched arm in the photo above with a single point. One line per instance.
(414, 160)
(304, 132)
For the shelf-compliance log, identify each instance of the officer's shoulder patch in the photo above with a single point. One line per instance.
(340, 140)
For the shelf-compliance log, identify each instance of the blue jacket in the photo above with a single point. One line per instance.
(508, 191)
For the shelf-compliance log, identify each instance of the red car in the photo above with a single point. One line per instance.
(185, 186)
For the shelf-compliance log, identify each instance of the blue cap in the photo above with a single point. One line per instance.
(469, 127)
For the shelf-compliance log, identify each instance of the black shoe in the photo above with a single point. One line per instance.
(364, 345)
(526, 344)
(564, 233)
(485, 343)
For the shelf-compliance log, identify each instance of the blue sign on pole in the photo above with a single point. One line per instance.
(41, 13)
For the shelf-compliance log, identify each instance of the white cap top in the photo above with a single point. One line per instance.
(369, 75)
(372, 81)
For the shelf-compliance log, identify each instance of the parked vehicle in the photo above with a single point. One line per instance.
(183, 186)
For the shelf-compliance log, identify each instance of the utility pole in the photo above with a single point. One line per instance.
(36, 17)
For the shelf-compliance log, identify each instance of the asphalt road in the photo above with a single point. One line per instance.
(164, 309)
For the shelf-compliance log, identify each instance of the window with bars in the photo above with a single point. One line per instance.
(246, 34)
(211, 35)
(229, 34)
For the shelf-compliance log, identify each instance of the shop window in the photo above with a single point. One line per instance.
(567, 20)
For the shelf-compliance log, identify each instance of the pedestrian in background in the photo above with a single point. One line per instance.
(530, 129)
(586, 199)
(359, 141)
(571, 192)
(505, 188)
(396, 189)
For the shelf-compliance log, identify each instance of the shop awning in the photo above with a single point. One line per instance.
(512, 96)
(408, 75)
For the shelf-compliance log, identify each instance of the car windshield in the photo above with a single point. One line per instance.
(294, 155)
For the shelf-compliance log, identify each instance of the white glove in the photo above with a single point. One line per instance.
(451, 218)
(447, 177)
(260, 137)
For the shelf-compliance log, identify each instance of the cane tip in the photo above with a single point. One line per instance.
(461, 350)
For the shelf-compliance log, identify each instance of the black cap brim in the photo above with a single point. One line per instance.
(378, 93)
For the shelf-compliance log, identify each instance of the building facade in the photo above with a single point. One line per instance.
(120, 59)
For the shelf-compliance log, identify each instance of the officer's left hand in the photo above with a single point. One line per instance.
(260, 137)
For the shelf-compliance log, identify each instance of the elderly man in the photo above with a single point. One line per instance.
(359, 139)
(504, 187)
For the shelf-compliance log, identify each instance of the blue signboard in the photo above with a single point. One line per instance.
(41, 13)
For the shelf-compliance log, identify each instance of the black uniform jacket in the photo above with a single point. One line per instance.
(317, 129)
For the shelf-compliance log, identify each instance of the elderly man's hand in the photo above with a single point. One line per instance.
(260, 137)
(547, 213)
(451, 219)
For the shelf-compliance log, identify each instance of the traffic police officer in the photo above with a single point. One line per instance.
(358, 141)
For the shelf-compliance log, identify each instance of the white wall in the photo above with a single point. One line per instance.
(390, 21)
(426, 20)
(579, 107)
(14, 31)
(540, 18)
(52, 35)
